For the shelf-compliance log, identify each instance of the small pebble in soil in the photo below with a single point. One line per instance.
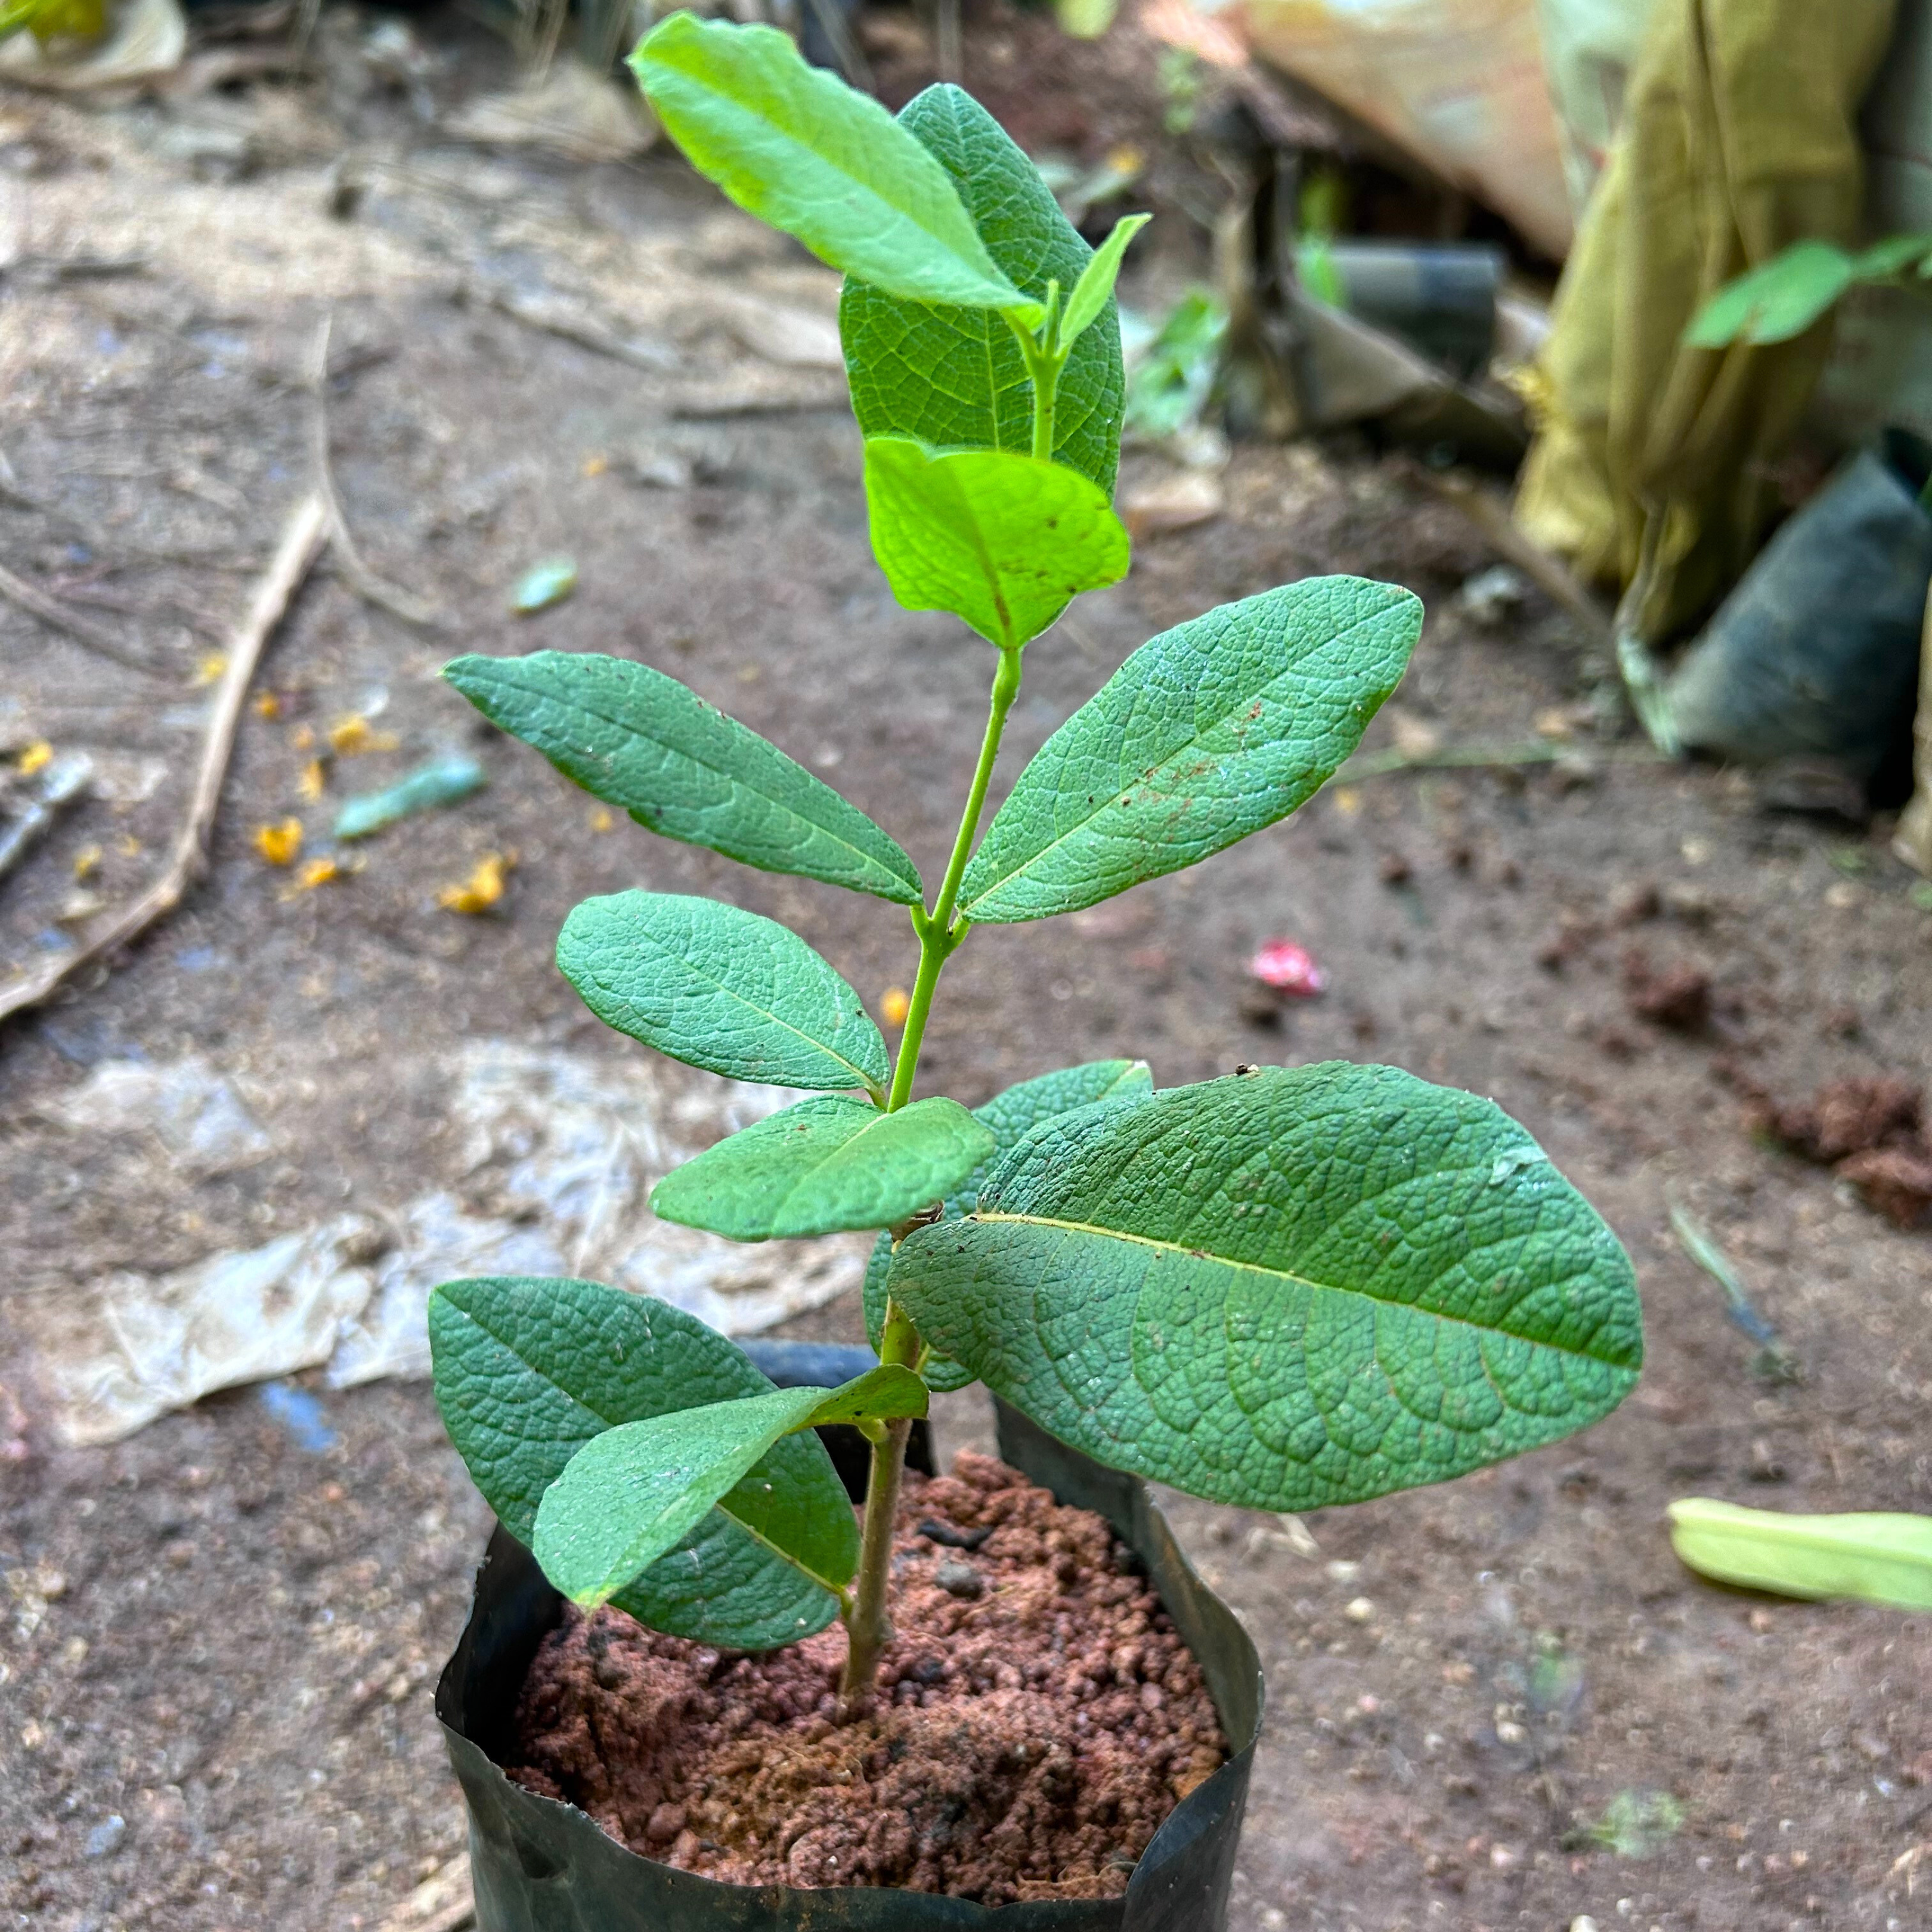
(959, 1579)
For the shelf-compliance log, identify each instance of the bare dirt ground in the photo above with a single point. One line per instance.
(1497, 1703)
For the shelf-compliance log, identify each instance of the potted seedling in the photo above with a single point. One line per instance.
(1284, 1289)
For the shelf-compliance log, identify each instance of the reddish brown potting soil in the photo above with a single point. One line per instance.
(1038, 1717)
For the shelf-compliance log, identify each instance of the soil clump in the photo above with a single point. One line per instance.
(1038, 1717)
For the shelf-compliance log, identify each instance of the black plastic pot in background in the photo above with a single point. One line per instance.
(1815, 655)
(540, 1866)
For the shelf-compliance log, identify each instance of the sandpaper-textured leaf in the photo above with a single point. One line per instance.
(797, 147)
(1284, 1289)
(823, 1166)
(1004, 542)
(642, 741)
(719, 988)
(527, 1371)
(1885, 1557)
(1010, 1116)
(1207, 733)
(635, 1492)
(954, 378)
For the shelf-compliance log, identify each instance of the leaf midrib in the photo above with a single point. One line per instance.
(814, 784)
(868, 1082)
(837, 1153)
(1116, 798)
(1282, 1274)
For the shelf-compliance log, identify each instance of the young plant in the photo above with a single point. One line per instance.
(1290, 1287)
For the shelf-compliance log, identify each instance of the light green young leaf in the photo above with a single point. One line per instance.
(721, 988)
(796, 147)
(1009, 1116)
(633, 1492)
(1885, 1558)
(527, 1371)
(636, 1491)
(1207, 733)
(883, 1394)
(954, 377)
(1891, 256)
(1095, 288)
(1774, 301)
(1285, 1289)
(644, 742)
(1005, 542)
(824, 1166)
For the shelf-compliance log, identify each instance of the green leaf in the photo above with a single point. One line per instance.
(1005, 542)
(797, 147)
(953, 377)
(1095, 288)
(1772, 303)
(825, 1166)
(1010, 1116)
(639, 740)
(1883, 1558)
(527, 1371)
(1891, 256)
(1207, 733)
(879, 1395)
(721, 988)
(635, 1492)
(1284, 1289)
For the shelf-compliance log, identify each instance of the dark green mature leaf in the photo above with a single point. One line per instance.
(635, 1492)
(1885, 1557)
(954, 377)
(1207, 733)
(1010, 1116)
(1780, 298)
(1282, 1290)
(527, 1371)
(797, 147)
(719, 988)
(639, 740)
(1004, 542)
(825, 1166)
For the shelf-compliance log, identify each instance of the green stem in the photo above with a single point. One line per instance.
(937, 940)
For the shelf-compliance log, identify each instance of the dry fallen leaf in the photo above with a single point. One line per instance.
(482, 889)
(279, 843)
(312, 779)
(37, 755)
(349, 737)
(316, 872)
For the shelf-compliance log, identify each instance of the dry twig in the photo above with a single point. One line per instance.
(363, 581)
(1551, 576)
(52, 612)
(302, 539)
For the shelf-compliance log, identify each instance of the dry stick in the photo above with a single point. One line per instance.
(363, 581)
(1549, 575)
(302, 540)
(51, 611)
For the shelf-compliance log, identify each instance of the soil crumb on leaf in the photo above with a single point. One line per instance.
(1031, 1731)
